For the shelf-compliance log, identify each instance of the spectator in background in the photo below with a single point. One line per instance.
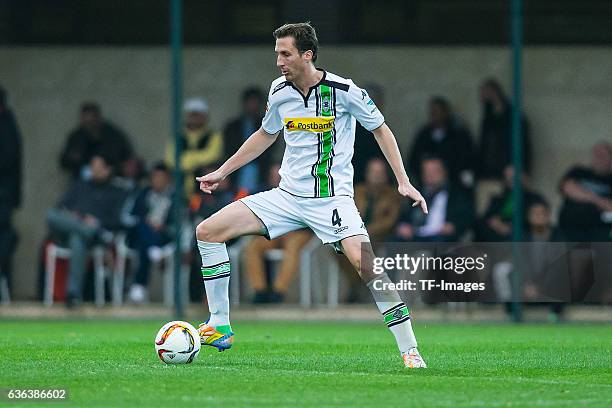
(130, 175)
(496, 224)
(544, 271)
(587, 193)
(451, 210)
(94, 137)
(86, 215)
(540, 226)
(537, 281)
(10, 184)
(254, 257)
(201, 146)
(241, 128)
(444, 136)
(495, 150)
(151, 215)
(255, 251)
(366, 147)
(377, 200)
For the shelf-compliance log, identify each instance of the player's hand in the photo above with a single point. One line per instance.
(409, 191)
(210, 181)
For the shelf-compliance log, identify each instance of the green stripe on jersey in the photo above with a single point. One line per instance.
(326, 141)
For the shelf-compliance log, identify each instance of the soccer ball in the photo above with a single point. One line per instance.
(177, 342)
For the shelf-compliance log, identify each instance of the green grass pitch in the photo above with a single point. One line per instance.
(113, 363)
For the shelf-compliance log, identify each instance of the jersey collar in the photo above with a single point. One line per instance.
(307, 96)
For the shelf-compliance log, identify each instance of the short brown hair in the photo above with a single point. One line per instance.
(303, 34)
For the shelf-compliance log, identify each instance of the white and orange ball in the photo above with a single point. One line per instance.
(177, 342)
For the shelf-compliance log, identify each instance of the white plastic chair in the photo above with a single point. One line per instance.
(306, 276)
(234, 252)
(55, 252)
(158, 255)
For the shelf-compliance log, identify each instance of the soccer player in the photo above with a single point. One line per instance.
(317, 111)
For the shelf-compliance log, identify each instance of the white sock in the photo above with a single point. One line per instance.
(216, 274)
(395, 314)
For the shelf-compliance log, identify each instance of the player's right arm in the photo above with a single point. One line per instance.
(252, 148)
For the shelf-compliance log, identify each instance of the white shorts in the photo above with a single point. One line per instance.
(331, 218)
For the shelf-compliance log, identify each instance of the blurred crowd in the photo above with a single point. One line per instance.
(116, 196)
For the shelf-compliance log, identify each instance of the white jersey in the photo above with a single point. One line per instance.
(319, 131)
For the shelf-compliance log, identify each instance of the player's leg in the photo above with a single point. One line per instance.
(395, 313)
(337, 220)
(272, 213)
(230, 222)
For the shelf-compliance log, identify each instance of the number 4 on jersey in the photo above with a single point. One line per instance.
(336, 220)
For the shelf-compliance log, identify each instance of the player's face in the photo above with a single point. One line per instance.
(289, 60)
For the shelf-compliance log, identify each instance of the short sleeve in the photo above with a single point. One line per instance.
(272, 122)
(362, 107)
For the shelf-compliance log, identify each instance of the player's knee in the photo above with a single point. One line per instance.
(205, 232)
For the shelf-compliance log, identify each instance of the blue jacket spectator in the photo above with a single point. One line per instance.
(152, 218)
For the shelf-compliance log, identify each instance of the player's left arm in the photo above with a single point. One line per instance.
(386, 140)
(362, 107)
